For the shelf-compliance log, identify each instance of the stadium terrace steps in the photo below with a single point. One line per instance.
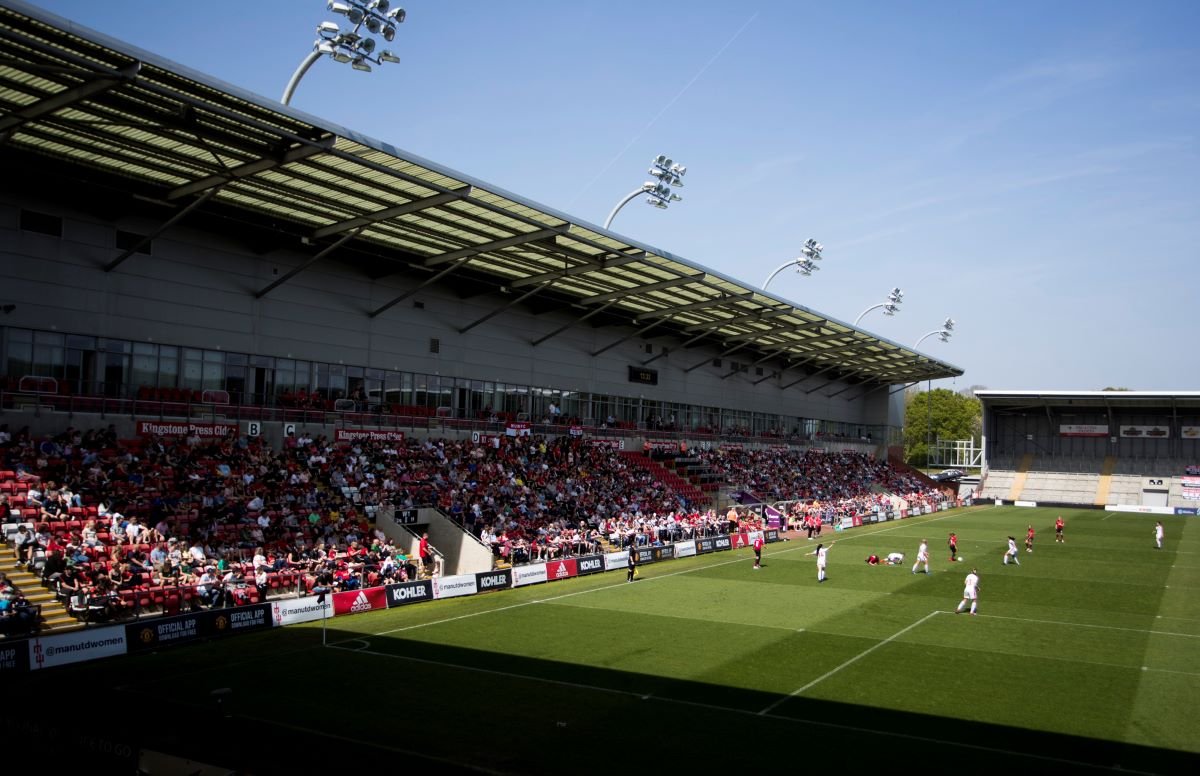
(1018, 484)
(55, 616)
(1105, 484)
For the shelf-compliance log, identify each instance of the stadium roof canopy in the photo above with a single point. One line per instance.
(100, 111)
(1098, 400)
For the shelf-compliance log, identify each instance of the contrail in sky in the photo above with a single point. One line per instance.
(664, 109)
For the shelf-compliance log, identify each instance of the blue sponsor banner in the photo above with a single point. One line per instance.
(1187, 510)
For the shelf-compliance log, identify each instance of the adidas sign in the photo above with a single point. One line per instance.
(361, 604)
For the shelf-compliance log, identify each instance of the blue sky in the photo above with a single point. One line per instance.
(1029, 168)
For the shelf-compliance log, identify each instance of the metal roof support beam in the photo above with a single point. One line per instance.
(748, 318)
(499, 310)
(774, 332)
(695, 339)
(165, 226)
(683, 308)
(495, 245)
(904, 387)
(764, 379)
(252, 168)
(728, 352)
(637, 333)
(96, 83)
(307, 263)
(808, 377)
(578, 269)
(575, 322)
(399, 210)
(864, 393)
(412, 291)
(682, 280)
(767, 357)
(838, 393)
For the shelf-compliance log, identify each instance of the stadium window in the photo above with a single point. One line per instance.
(127, 241)
(758, 372)
(649, 348)
(42, 223)
(717, 363)
(418, 305)
(435, 345)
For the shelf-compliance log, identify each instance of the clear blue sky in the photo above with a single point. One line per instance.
(1029, 168)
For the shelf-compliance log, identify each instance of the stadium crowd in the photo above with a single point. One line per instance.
(124, 524)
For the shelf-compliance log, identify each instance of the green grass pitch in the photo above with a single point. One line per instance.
(1086, 657)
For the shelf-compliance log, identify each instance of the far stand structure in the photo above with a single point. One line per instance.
(658, 192)
(355, 46)
(805, 263)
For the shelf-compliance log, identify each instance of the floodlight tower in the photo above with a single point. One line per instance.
(890, 306)
(805, 263)
(944, 335)
(355, 46)
(658, 192)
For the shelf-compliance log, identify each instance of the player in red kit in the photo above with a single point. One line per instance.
(758, 543)
(952, 543)
(1058, 531)
(1029, 539)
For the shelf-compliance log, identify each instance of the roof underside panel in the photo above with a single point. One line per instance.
(96, 104)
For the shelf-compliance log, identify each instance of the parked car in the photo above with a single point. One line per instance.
(949, 474)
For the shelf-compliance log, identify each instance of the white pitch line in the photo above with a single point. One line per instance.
(852, 660)
(1088, 625)
(733, 710)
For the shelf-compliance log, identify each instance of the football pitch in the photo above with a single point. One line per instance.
(1085, 657)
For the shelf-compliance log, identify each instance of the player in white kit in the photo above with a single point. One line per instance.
(970, 592)
(1011, 552)
(922, 557)
(821, 552)
(1158, 535)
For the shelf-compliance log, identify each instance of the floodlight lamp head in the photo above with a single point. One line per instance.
(327, 28)
(374, 25)
(341, 56)
(355, 15)
(676, 198)
(366, 45)
(658, 203)
(949, 324)
(397, 14)
(659, 160)
(341, 8)
(388, 56)
(380, 5)
(389, 33)
(360, 64)
(679, 170)
(324, 47)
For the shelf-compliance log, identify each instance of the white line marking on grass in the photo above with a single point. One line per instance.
(1088, 625)
(854, 659)
(1107, 515)
(734, 710)
(739, 559)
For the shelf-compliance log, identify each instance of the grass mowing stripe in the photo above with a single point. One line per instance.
(1086, 625)
(854, 659)
(915, 521)
(684, 617)
(735, 710)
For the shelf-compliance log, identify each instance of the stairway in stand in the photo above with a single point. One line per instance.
(683, 487)
(55, 617)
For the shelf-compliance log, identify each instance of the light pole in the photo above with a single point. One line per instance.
(943, 334)
(890, 306)
(659, 193)
(805, 263)
(352, 46)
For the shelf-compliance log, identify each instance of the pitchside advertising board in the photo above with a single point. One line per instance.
(494, 580)
(183, 429)
(53, 651)
(14, 657)
(529, 575)
(366, 435)
(292, 611)
(455, 586)
(561, 569)
(685, 549)
(408, 593)
(166, 631)
(589, 564)
(616, 560)
(358, 601)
